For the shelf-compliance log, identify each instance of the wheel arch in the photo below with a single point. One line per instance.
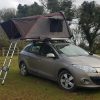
(66, 70)
(21, 63)
(62, 69)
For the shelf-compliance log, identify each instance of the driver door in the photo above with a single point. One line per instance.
(46, 65)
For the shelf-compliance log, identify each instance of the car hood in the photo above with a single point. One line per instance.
(92, 61)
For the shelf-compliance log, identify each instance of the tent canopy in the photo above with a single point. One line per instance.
(34, 27)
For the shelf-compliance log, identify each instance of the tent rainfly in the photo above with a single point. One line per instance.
(35, 27)
(53, 25)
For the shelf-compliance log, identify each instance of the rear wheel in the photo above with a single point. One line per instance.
(23, 69)
(66, 80)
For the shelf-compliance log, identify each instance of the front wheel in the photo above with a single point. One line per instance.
(23, 69)
(66, 80)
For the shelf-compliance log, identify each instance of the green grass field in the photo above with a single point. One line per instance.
(18, 87)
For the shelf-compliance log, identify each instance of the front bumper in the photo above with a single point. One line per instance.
(90, 86)
(93, 81)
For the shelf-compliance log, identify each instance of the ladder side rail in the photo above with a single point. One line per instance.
(4, 78)
(9, 64)
(6, 57)
(12, 54)
(7, 54)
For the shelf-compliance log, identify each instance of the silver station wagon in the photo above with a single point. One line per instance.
(69, 65)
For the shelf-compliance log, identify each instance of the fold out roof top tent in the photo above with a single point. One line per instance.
(35, 27)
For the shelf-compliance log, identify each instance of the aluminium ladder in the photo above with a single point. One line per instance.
(6, 64)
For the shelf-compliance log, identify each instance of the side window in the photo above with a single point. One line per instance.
(27, 48)
(56, 25)
(33, 49)
(45, 49)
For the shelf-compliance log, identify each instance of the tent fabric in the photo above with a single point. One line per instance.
(11, 30)
(40, 26)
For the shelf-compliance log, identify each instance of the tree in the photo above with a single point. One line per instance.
(6, 14)
(22, 11)
(44, 3)
(97, 45)
(31, 10)
(35, 9)
(67, 7)
(59, 5)
(53, 5)
(90, 22)
(77, 37)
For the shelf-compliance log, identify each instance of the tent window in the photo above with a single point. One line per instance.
(56, 25)
(11, 30)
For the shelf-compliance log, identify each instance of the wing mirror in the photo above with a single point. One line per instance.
(50, 55)
(90, 53)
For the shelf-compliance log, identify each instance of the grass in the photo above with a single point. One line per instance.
(18, 87)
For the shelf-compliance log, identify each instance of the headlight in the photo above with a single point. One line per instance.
(86, 68)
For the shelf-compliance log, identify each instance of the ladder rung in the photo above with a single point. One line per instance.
(5, 68)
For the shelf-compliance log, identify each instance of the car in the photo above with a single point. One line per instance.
(61, 61)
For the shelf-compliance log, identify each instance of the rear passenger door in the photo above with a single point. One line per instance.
(33, 59)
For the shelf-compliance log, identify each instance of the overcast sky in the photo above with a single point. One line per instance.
(14, 3)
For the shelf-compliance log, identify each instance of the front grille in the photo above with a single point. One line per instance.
(95, 80)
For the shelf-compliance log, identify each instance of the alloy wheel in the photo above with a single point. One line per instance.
(67, 81)
(23, 69)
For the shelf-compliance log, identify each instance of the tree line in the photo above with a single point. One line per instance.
(88, 15)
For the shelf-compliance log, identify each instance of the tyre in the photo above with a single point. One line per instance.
(66, 81)
(23, 69)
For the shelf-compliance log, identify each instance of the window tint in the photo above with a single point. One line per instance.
(39, 49)
(71, 50)
(27, 48)
(33, 49)
(56, 25)
(45, 49)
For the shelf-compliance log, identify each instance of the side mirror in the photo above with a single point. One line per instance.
(90, 53)
(50, 55)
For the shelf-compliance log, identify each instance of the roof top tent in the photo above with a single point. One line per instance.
(37, 27)
(52, 26)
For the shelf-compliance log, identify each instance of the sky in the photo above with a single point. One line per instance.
(14, 3)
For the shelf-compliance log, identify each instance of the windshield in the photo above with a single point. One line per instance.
(71, 50)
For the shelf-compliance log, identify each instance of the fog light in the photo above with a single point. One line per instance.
(85, 81)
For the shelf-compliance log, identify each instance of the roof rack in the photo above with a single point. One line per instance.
(49, 40)
(42, 39)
